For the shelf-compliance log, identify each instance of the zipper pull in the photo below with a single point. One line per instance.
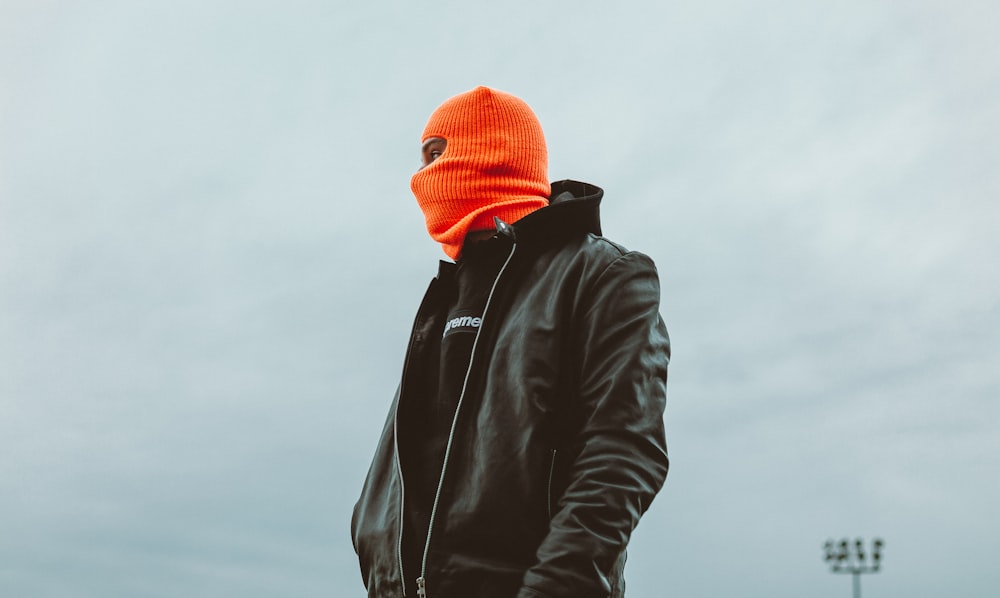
(421, 587)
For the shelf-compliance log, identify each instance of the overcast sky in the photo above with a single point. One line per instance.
(210, 259)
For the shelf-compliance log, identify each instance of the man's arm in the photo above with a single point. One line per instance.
(619, 453)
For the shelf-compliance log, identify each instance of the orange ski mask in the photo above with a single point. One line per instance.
(495, 164)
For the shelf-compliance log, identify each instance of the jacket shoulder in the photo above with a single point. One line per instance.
(605, 252)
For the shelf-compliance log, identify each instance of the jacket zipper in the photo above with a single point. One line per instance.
(402, 497)
(422, 580)
(548, 498)
(399, 467)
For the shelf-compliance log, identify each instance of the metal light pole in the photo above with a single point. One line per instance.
(839, 556)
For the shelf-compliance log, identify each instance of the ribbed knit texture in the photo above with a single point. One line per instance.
(495, 164)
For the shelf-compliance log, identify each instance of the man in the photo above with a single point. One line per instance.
(526, 437)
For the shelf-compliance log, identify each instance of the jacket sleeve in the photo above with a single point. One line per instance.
(618, 453)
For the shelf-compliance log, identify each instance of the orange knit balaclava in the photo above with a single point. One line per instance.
(495, 164)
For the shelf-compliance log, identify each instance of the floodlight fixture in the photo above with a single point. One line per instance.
(843, 560)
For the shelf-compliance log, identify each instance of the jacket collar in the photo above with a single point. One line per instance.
(574, 208)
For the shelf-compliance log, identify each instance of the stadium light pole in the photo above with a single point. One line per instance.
(843, 560)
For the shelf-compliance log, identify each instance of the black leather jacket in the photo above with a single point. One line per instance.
(557, 445)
